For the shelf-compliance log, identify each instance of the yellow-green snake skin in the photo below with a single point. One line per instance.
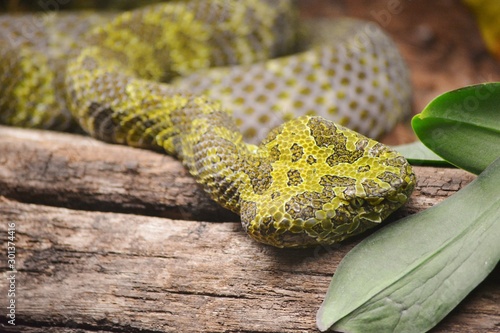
(311, 181)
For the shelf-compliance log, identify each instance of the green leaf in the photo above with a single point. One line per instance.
(409, 275)
(463, 126)
(418, 154)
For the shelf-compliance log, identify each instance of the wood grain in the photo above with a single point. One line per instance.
(106, 271)
(73, 171)
(128, 273)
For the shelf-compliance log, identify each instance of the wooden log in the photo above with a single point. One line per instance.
(108, 272)
(86, 271)
(74, 171)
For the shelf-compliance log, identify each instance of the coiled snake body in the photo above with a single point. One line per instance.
(310, 181)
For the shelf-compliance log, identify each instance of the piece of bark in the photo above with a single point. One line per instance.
(75, 171)
(108, 272)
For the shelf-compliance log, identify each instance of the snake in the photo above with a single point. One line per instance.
(205, 81)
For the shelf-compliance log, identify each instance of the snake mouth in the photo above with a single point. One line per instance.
(304, 226)
(312, 218)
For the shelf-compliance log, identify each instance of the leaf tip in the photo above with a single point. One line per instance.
(416, 120)
(320, 319)
(326, 317)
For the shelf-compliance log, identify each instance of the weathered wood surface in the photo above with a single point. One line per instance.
(126, 273)
(73, 171)
(79, 172)
(83, 271)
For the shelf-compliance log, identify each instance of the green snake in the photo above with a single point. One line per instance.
(168, 77)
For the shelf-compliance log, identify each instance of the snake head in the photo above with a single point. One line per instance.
(317, 182)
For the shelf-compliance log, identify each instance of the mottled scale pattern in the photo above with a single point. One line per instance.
(327, 182)
(34, 50)
(168, 77)
(350, 73)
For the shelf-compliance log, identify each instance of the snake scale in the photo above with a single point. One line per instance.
(169, 77)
